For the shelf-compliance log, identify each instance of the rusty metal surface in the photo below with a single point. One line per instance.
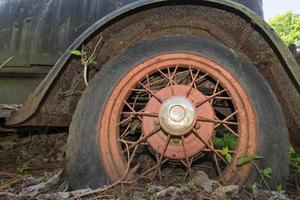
(119, 107)
(193, 145)
(39, 32)
(54, 101)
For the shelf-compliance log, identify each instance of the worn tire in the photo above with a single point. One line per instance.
(84, 168)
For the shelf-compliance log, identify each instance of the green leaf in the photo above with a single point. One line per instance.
(75, 52)
(191, 185)
(94, 63)
(295, 160)
(227, 139)
(153, 197)
(267, 172)
(246, 159)
(8, 184)
(279, 188)
(228, 158)
(224, 151)
(230, 140)
(218, 143)
(23, 169)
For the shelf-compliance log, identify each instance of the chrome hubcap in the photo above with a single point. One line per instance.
(177, 116)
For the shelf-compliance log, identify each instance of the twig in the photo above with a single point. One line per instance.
(5, 62)
(8, 194)
(262, 177)
(85, 74)
(246, 192)
(127, 149)
(13, 182)
(88, 61)
(92, 55)
(103, 196)
(12, 175)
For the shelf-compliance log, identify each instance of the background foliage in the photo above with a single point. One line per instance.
(287, 25)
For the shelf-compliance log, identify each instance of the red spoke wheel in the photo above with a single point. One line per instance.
(192, 107)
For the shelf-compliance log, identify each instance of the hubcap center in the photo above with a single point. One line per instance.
(177, 113)
(177, 116)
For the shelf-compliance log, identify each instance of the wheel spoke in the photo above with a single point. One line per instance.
(127, 148)
(228, 128)
(209, 146)
(171, 78)
(216, 161)
(135, 100)
(188, 165)
(203, 119)
(130, 171)
(144, 137)
(227, 118)
(125, 120)
(226, 124)
(148, 171)
(174, 73)
(162, 156)
(126, 131)
(200, 78)
(189, 170)
(193, 83)
(151, 93)
(169, 75)
(219, 150)
(223, 98)
(170, 81)
(215, 90)
(208, 98)
(141, 114)
(132, 109)
(138, 90)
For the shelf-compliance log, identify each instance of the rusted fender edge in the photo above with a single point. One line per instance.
(36, 98)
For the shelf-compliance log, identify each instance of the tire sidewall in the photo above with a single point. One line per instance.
(84, 167)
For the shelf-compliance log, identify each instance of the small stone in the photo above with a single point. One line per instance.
(202, 180)
(198, 177)
(225, 192)
(155, 188)
(60, 157)
(138, 195)
(36, 189)
(278, 195)
(172, 191)
(210, 185)
(81, 191)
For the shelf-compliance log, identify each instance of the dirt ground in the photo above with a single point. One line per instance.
(31, 167)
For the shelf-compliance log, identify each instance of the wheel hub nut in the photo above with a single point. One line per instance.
(177, 116)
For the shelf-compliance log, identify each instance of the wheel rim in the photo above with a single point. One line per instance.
(173, 109)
